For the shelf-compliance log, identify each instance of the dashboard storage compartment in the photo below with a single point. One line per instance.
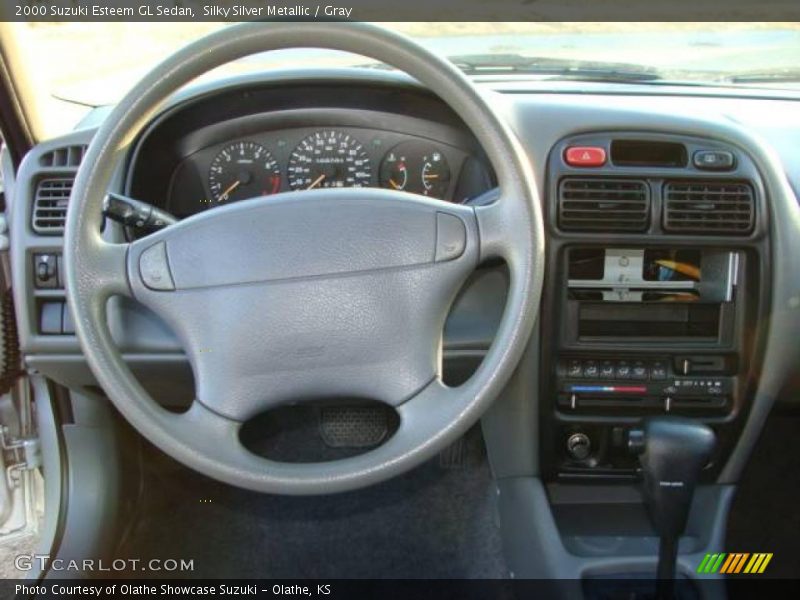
(623, 320)
(654, 293)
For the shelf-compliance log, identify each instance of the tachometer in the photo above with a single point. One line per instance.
(243, 170)
(329, 159)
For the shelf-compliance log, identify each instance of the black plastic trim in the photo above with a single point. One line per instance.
(743, 333)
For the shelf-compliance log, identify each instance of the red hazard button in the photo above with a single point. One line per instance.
(585, 156)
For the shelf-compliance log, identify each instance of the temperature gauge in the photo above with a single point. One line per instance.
(394, 171)
(416, 167)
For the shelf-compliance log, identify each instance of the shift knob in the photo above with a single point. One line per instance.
(672, 452)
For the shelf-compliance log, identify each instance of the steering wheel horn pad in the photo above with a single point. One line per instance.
(268, 317)
(303, 295)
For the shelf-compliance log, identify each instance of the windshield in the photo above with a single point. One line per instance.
(76, 66)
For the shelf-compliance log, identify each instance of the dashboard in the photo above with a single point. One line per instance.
(219, 144)
(188, 163)
(686, 302)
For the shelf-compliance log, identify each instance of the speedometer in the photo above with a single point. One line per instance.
(329, 159)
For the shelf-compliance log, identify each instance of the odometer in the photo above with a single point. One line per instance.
(243, 170)
(329, 159)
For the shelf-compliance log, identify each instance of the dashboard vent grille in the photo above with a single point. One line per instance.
(50, 205)
(68, 156)
(594, 204)
(708, 207)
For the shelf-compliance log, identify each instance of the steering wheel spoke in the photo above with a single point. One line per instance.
(503, 224)
(103, 270)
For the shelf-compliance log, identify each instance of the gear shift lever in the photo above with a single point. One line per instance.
(672, 452)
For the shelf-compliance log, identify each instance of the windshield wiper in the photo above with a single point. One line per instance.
(784, 75)
(74, 101)
(495, 64)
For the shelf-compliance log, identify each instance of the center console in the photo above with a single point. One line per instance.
(655, 278)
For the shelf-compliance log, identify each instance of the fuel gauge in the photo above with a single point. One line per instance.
(435, 174)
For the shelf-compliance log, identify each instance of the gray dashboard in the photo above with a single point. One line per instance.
(768, 130)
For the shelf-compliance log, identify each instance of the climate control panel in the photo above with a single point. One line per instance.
(598, 397)
(637, 386)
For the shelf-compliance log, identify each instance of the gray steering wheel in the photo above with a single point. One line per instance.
(302, 295)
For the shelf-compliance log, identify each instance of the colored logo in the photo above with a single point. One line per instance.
(735, 563)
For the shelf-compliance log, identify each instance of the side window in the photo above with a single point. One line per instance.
(6, 175)
(5, 199)
(2, 187)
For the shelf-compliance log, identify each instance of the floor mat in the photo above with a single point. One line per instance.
(434, 522)
(765, 516)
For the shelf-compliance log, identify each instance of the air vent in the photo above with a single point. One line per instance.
(708, 207)
(68, 156)
(595, 204)
(50, 205)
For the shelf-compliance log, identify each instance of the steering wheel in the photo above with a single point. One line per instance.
(323, 293)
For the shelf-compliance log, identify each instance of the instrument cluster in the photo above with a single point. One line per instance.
(308, 158)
